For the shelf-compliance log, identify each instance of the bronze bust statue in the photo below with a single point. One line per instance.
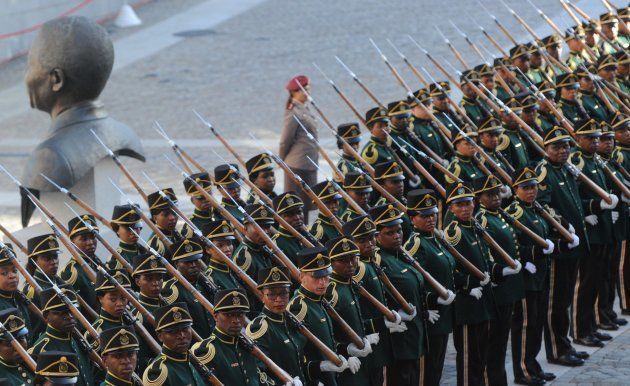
(68, 66)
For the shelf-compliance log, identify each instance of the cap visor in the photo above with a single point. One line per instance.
(391, 223)
(63, 381)
(461, 199)
(428, 211)
(322, 272)
(528, 183)
(192, 257)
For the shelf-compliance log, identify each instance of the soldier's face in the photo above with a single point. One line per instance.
(390, 237)
(361, 198)
(575, 45)
(114, 303)
(535, 61)
(468, 91)
(608, 73)
(150, 284)
(522, 63)
(225, 246)
(276, 298)
(121, 363)
(234, 193)
(490, 199)
(231, 322)
(394, 187)
(568, 93)
(266, 180)
(424, 222)
(9, 354)
(189, 269)
(401, 122)
(166, 220)
(332, 205)
(610, 30)
(61, 320)
(465, 148)
(294, 217)
(254, 236)
(200, 203)
(126, 235)
(623, 135)
(489, 140)
(317, 285)
(529, 115)
(588, 144)
(623, 70)
(86, 243)
(9, 278)
(463, 210)
(555, 50)
(606, 146)
(592, 39)
(440, 103)
(527, 194)
(346, 267)
(177, 340)
(367, 245)
(558, 152)
(488, 81)
(586, 84)
(49, 263)
(380, 130)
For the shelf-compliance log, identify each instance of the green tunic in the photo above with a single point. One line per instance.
(199, 218)
(538, 74)
(621, 226)
(157, 244)
(289, 244)
(512, 145)
(594, 106)
(17, 374)
(464, 168)
(172, 369)
(374, 152)
(573, 111)
(54, 340)
(112, 380)
(467, 241)
(74, 275)
(231, 361)
(251, 258)
(407, 228)
(38, 326)
(221, 275)
(14, 300)
(344, 299)
(411, 344)
(429, 133)
(475, 109)
(279, 339)
(323, 229)
(128, 252)
(253, 198)
(173, 291)
(435, 258)
(233, 209)
(575, 60)
(509, 288)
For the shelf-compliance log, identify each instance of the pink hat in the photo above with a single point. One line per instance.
(292, 85)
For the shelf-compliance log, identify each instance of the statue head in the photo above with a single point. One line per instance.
(69, 62)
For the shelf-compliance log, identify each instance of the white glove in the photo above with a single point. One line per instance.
(575, 242)
(373, 338)
(505, 191)
(529, 267)
(507, 271)
(405, 316)
(328, 366)
(550, 247)
(434, 316)
(402, 327)
(445, 163)
(591, 220)
(615, 200)
(449, 299)
(476, 293)
(571, 228)
(354, 364)
(415, 183)
(615, 216)
(486, 280)
(398, 320)
(357, 352)
(294, 382)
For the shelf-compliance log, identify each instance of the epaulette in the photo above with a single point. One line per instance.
(332, 295)
(577, 160)
(481, 217)
(30, 292)
(358, 276)
(113, 264)
(157, 244)
(257, 328)
(453, 233)
(298, 307)
(156, 373)
(70, 273)
(504, 142)
(370, 153)
(381, 201)
(317, 230)
(187, 231)
(377, 257)
(170, 292)
(618, 155)
(204, 350)
(454, 168)
(39, 347)
(244, 258)
(515, 210)
(413, 245)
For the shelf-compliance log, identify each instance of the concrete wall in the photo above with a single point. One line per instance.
(20, 19)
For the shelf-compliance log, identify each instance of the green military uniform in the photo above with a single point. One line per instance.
(55, 340)
(200, 217)
(259, 163)
(125, 215)
(572, 110)
(157, 204)
(226, 177)
(251, 258)
(375, 150)
(227, 355)
(147, 264)
(351, 134)
(175, 292)
(14, 373)
(432, 254)
(172, 368)
(285, 203)
(218, 272)
(118, 340)
(492, 126)
(429, 134)
(322, 229)
(472, 314)
(591, 101)
(511, 143)
(575, 60)
(475, 109)
(277, 334)
(392, 172)
(462, 166)
(357, 182)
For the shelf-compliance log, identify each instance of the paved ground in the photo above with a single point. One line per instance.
(230, 59)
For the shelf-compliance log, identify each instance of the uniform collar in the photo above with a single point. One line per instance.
(323, 218)
(250, 244)
(128, 247)
(462, 157)
(216, 265)
(374, 139)
(423, 234)
(523, 203)
(284, 232)
(223, 337)
(230, 203)
(309, 294)
(175, 356)
(113, 380)
(110, 318)
(338, 278)
(6, 295)
(56, 334)
(278, 318)
(204, 214)
(486, 210)
(148, 300)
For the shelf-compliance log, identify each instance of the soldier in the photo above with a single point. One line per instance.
(607, 69)
(148, 275)
(474, 107)
(545, 118)
(610, 29)
(359, 189)
(362, 230)
(422, 125)
(173, 367)
(290, 207)
(409, 346)
(273, 331)
(399, 113)
(58, 368)
(592, 103)
(58, 335)
(489, 132)
(570, 106)
(438, 261)
(511, 143)
(86, 242)
(440, 97)
(529, 115)
(591, 37)
(260, 173)
(487, 74)
(186, 256)
(227, 180)
(575, 41)
(12, 365)
(222, 236)
(165, 219)
(125, 221)
(473, 305)
(621, 156)
(529, 313)
(252, 254)
(9, 293)
(377, 149)
(308, 305)
(538, 72)
(390, 176)
(352, 135)
(623, 71)
(343, 297)
(203, 212)
(224, 351)
(521, 57)
(623, 15)
(463, 163)
(559, 190)
(322, 229)
(600, 219)
(553, 46)
(119, 350)
(509, 287)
